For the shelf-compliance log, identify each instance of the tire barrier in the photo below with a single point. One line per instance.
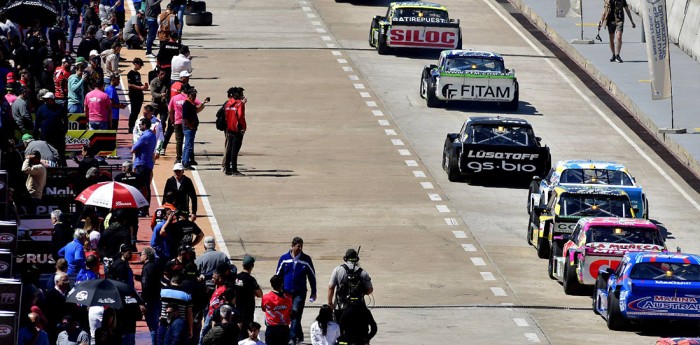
(199, 19)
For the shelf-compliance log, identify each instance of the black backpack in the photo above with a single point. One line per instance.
(221, 118)
(353, 287)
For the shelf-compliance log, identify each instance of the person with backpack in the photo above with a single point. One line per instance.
(348, 282)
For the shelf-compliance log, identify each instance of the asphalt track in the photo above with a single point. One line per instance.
(342, 151)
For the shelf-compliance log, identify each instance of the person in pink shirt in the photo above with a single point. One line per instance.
(175, 117)
(98, 107)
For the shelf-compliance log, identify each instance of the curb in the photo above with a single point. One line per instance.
(676, 149)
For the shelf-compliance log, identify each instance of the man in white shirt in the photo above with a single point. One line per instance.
(156, 127)
(181, 62)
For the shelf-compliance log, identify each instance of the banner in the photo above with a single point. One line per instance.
(104, 141)
(569, 8)
(656, 32)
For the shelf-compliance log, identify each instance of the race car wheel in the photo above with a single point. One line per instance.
(571, 283)
(599, 284)
(452, 169)
(423, 85)
(533, 189)
(196, 7)
(371, 32)
(459, 43)
(553, 254)
(616, 322)
(646, 209)
(542, 247)
(382, 48)
(430, 99)
(198, 19)
(513, 105)
(529, 228)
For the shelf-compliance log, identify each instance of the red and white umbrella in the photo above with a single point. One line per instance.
(112, 195)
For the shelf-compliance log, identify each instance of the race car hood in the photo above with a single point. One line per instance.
(619, 249)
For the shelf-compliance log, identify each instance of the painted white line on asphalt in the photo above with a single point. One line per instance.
(499, 292)
(452, 222)
(419, 173)
(347, 68)
(353, 77)
(383, 122)
(487, 276)
(458, 234)
(389, 132)
(371, 104)
(331, 45)
(212, 219)
(365, 95)
(434, 197)
(427, 185)
(377, 113)
(468, 247)
(325, 38)
(404, 152)
(397, 142)
(478, 261)
(521, 322)
(336, 52)
(411, 163)
(359, 86)
(306, 9)
(342, 61)
(532, 338)
(311, 15)
(607, 119)
(442, 208)
(320, 30)
(316, 23)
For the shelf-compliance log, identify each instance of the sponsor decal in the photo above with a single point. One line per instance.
(420, 20)
(2, 185)
(59, 191)
(81, 295)
(5, 331)
(122, 203)
(595, 266)
(611, 248)
(675, 299)
(130, 300)
(35, 259)
(4, 266)
(422, 38)
(476, 91)
(106, 300)
(502, 155)
(671, 282)
(658, 304)
(503, 166)
(8, 298)
(565, 227)
(6, 237)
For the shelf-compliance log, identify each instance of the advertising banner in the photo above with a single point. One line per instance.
(8, 235)
(569, 8)
(8, 328)
(656, 33)
(5, 264)
(10, 295)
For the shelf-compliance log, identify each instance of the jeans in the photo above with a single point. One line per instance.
(75, 108)
(99, 125)
(73, 22)
(206, 326)
(129, 339)
(188, 150)
(179, 137)
(298, 302)
(152, 25)
(153, 318)
(234, 140)
(180, 10)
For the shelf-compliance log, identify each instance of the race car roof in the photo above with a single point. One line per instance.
(588, 164)
(615, 222)
(471, 53)
(417, 4)
(497, 120)
(597, 190)
(669, 257)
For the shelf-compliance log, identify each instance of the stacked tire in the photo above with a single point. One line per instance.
(197, 14)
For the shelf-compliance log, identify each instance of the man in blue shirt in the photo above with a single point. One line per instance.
(111, 91)
(73, 252)
(91, 270)
(144, 149)
(295, 266)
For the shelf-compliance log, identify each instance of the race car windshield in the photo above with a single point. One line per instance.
(466, 64)
(609, 234)
(594, 206)
(596, 176)
(502, 135)
(420, 15)
(665, 271)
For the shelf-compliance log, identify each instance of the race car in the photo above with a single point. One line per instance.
(588, 172)
(465, 75)
(649, 286)
(415, 25)
(598, 243)
(494, 146)
(551, 226)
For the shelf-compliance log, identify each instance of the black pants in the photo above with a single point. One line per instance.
(179, 139)
(234, 141)
(121, 19)
(277, 335)
(136, 98)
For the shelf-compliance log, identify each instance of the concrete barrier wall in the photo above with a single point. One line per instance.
(676, 14)
(687, 39)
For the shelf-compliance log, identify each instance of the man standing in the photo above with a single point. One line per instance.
(62, 234)
(20, 111)
(143, 150)
(160, 89)
(152, 12)
(52, 123)
(55, 306)
(235, 129)
(111, 91)
(168, 49)
(190, 122)
(247, 289)
(614, 19)
(180, 62)
(351, 281)
(183, 189)
(175, 117)
(60, 79)
(277, 306)
(156, 127)
(136, 89)
(36, 178)
(120, 269)
(76, 88)
(357, 325)
(295, 266)
(73, 252)
(210, 259)
(150, 289)
(98, 107)
(177, 327)
(176, 304)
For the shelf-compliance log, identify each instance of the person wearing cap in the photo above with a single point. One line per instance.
(76, 87)
(111, 91)
(36, 177)
(110, 60)
(337, 287)
(190, 122)
(98, 107)
(94, 72)
(208, 261)
(48, 153)
(247, 289)
(11, 95)
(88, 43)
(20, 111)
(51, 125)
(180, 62)
(235, 129)
(120, 269)
(183, 189)
(60, 80)
(136, 89)
(135, 30)
(181, 85)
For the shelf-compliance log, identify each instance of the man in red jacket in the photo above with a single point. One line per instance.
(235, 129)
(277, 306)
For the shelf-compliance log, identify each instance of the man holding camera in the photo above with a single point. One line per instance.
(36, 177)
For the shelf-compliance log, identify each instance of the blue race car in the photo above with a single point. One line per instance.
(649, 285)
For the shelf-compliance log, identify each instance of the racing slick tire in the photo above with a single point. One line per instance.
(451, 169)
(571, 283)
(199, 19)
(196, 7)
(599, 284)
(430, 99)
(382, 48)
(616, 322)
(371, 31)
(513, 105)
(542, 247)
(530, 234)
(459, 43)
(554, 252)
(533, 189)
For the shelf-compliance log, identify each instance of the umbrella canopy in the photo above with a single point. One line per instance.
(112, 195)
(103, 292)
(25, 12)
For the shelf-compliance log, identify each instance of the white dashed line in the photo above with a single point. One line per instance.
(320, 30)
(468, 247)
(377, 113)
(443, 208)
(478, 261)
(306, 9)
(316, 23)
(397, 142)
(326, 38)
(311, 15)
(302, 2)
(453, 222)
(532, 337)
(383, 122)
(390, 132)
(342, 61)
(434, 196)
(336, 53)
(487, 276)
(411, 163)
(521, 322)
(427, 185)
(353, 77)
(359, 86)
(365, 95)
(347, 68)
(458, 234)
(499, 292)
(404, 152)
(331, 45)
(419, 174)
(371, 104)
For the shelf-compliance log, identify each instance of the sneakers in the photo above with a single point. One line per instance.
(228, 172)
(150, 56)
(618, 58)
(194, 163)
(189, 167)
(237, 173)
(612, 59)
